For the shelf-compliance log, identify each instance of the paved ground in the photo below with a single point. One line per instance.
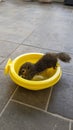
(35, 27)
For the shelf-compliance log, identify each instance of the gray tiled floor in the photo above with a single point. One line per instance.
(35, 27)
(39, 97)
(7, 88)
(62, 97)
(26, 118)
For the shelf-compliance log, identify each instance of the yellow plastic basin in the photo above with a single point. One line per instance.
(12, 68)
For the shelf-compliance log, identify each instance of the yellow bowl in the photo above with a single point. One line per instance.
(12, 68)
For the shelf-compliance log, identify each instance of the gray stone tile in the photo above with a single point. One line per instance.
(42, 38)
(51, 35)
(18, 20)
(61, 101)
(7, 87)
(54, 30)
(67, 39)
(72, 127)
(35, 98)
(16, 36)
(69, 44)
(18, 117)
(6, 48)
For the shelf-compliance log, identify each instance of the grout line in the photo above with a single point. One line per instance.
(13, 51)
(2, 61)
(39, 47)
(70, 125)
(39, 109)
(65, 72)
(49, 49)
(5, 58)
(28, 35)
(48, 101)
(10, 41)
(8, 102)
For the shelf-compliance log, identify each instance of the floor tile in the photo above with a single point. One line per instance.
(44, 39)
(13, 34)
(72, 127)
(6, 48)
(18, 117)
(35, 98)
(15, 22)
(67, 39)
(7, 88)
(61, 101)
(54, 31)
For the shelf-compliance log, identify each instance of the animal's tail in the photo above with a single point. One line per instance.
(63, 56)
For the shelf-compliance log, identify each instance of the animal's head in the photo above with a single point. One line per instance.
(27, 70)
